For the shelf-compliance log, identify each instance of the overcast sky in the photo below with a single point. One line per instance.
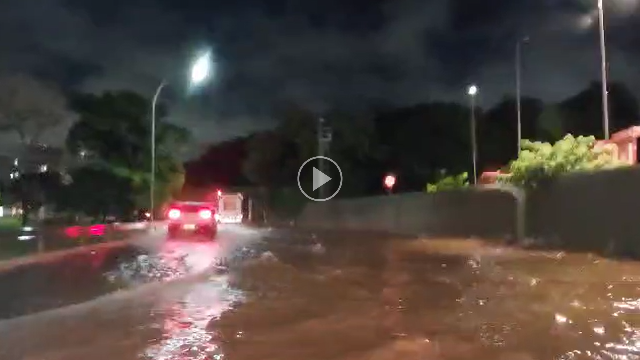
(316, 52)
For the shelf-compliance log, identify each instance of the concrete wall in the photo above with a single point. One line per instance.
(595, 211)
(589, 211)
(481, 213)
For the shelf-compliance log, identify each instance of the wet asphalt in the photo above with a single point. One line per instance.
(283, 295)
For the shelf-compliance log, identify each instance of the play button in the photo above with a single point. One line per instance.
(318, 178)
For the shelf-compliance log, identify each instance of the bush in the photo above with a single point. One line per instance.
(541, 161)
(449, 182)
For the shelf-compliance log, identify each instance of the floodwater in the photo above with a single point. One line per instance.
(267, 294)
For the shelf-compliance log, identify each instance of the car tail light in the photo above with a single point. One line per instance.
(205, 214)
(174, 214)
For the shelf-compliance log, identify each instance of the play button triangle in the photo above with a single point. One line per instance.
(319, 178)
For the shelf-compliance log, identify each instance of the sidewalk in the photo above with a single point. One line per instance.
(14, 252)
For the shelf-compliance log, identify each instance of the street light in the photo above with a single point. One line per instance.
(200, 71)
(603, 69)
(472, 91)
(518, 87)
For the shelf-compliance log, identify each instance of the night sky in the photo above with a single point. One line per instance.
(321, 54)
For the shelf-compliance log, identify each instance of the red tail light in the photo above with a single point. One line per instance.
(205, 214)
(174, 214)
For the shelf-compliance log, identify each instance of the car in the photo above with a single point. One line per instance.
(192, 218)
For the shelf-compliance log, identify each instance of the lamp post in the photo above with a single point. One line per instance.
(472, 91)
(603, 69)
(200, 70)
(518, 64)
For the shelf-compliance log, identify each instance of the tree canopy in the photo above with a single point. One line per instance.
(541, 161)
(30, 107)
(112, 136)
(415, 142)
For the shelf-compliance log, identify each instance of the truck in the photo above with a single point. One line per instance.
(229, 208)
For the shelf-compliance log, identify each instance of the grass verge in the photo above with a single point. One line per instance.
(12, 247)
(10, 223)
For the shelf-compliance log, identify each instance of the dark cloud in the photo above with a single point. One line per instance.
(319, 53)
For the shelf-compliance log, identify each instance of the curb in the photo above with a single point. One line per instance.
(55, 255)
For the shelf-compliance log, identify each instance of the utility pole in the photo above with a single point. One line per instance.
(324, 140)
(518, 96)
(603, 69)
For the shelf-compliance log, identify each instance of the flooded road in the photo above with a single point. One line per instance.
(271, 294)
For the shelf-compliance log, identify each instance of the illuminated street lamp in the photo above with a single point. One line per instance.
(200, 71)
(472, 91)
(389, 182)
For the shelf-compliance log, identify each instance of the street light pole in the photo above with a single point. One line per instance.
(472, 91)
(518, 90)
(324, 139)
(153, 153)
(200, 71)
(603, 69)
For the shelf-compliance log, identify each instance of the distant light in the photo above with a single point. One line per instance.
(44, 168)
(219, 192)
(201, 69)
(389, 181)
(473, 90)
(15, 162)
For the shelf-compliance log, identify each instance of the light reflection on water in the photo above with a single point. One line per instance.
(184, 329)
(185, 333)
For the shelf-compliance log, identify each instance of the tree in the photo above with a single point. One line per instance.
(221, 164)
(268, 158)
(97, 192)
(421, 139)
(114, 131)
(274, 157)
(551, 124)
(448, 182)
(29, 107)
(33, 190)
(498, 130)
(583, 112)
(539, 161)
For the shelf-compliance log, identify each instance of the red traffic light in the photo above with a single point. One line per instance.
(389, 181)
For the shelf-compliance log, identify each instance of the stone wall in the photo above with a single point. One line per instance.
(589, 211)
